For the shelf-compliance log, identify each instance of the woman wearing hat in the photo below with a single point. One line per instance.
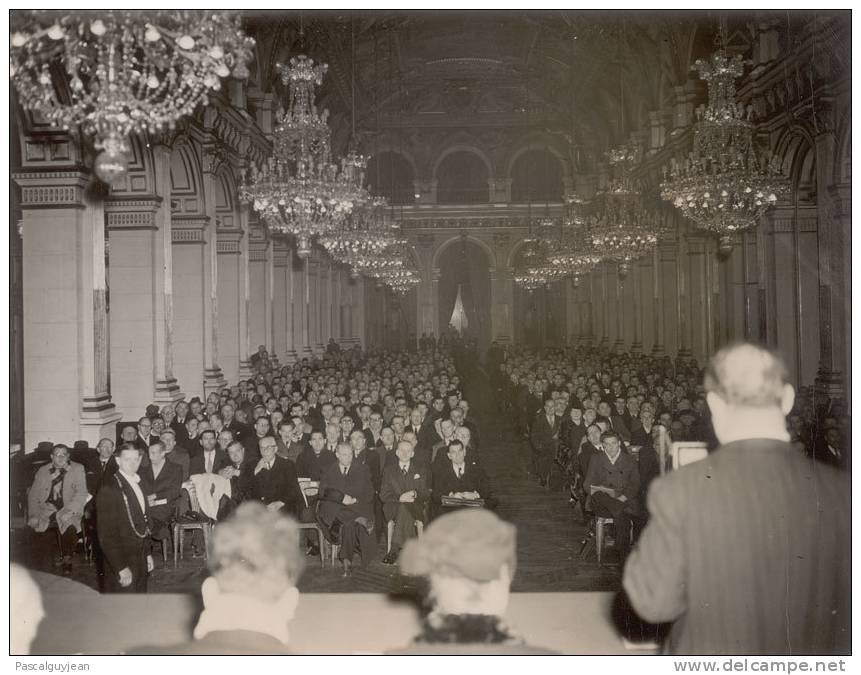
(469, 557)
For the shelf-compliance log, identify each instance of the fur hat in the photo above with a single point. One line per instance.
(469, 543)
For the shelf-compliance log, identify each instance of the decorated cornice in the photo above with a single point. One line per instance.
(188, 230)
(52, 189)
(132, 214)
(257, 251)
(227, 241)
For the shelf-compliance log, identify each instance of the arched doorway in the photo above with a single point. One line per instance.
(464, 272)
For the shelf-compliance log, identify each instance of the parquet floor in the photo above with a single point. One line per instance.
(548, 529)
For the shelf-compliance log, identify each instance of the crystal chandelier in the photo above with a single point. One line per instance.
(570, 248)
(300, 191)
(116, 72)
(366, 233)
(727, 182)
(623, 231)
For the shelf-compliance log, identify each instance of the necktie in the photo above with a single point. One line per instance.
(460, 472)
(344, 469)
(209, 462)
(404, 470)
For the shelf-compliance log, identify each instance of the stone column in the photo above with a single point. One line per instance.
(190, 278)
(657, 304)
(213, 377)
(358, 311)
(244, 277)
(141, 292)
(305, 301)
(67, 394)
(604, 309)
(317, 307)
(281, 300)
(636, 310)
(698, 320)
(682, 295)
(269, 308)
(618, 310)
(259, 300)
(231, 301)
(337, 276)
(435, 277)
(325, 305)
(834, 227)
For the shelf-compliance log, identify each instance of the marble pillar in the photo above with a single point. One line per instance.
(281, 300)
(67, 395)
(213, 376)
(141, 291)
(231, 302)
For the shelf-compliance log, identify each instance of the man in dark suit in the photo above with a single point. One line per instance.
(346, 510)
(458, 478)
(747, 550)
(231, 424)
(544, 437)
(178, 424)
(161, 483)
(175, 453)
(315, 459)
(275, 481)
(371, 459)
(830, 449)
(240, 472)
(373, 434)
(616, 471)
(103, 467)
(404, 493)
(123, 527)
(211, 459)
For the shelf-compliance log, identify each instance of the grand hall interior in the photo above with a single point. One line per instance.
(430, 332)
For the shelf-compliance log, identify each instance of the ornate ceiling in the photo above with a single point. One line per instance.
(589, 78)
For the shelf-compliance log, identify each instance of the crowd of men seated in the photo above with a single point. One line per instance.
(368, 446)
(594, 420)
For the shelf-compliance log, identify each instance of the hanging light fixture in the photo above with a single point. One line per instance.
(623, 230)
(368, 230)
(728, 181)
(300, 191)
(570, 247)
(115, 73)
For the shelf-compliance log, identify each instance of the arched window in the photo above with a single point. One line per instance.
(390, 175)
(462, 179)
(536, 176)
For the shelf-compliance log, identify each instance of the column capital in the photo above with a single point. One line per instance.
(188, 230)
(258, 250)
(132, 214)
(52, 189)
(227, 241)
